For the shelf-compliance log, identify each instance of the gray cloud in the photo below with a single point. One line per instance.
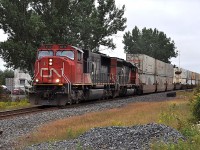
(178, 19)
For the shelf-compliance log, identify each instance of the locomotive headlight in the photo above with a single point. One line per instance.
(36, 80)
(57, 80)
(50, 62)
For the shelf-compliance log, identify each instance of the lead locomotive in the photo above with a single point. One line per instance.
(65, 74)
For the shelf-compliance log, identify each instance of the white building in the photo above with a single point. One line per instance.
(21, 79)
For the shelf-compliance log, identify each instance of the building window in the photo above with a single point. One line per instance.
(22, 81)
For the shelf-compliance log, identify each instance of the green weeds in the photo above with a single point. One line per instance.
(13, 105)
(184, 122)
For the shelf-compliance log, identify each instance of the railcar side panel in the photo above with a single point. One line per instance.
(169, 70)
(145, 64)
(161, 84)
(147, 83)
(160, 69)
(170, 84)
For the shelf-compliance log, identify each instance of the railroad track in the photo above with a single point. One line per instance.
(22, 111)
(35, 109)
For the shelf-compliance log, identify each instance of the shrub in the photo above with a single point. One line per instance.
(197, 90)
(13, 105)
(1, 91)
(196, 108)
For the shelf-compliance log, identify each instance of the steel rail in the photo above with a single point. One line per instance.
(19, 112)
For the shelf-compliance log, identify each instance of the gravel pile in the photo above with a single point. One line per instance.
(16, 127)
(113, 138)
(136, 137)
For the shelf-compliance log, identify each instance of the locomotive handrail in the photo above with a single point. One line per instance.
(103, 78)
(66, 79)
(37, 72)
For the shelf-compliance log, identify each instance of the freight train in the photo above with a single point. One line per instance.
(66, 74)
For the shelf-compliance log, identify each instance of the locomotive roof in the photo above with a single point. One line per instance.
(102, 54)
(77, 49)
(124, 61)
(49, 46)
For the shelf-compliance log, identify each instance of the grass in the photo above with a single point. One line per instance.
(192, 143)
(8, 105)
(185, 125)
(173, 113)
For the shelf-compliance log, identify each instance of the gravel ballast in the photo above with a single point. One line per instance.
(114, 138)
(16, 127)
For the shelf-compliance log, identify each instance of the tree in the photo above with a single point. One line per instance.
(8, 73)
(82, 23)
(150, 42)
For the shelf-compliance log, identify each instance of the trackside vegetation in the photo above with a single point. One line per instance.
(189, 127)
(196, 105)
(8, 104)
(177, 113)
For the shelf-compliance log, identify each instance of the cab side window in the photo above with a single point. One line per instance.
(79, 56)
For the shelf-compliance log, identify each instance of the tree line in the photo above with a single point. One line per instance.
(88, 24)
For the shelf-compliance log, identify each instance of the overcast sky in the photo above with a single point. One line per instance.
(178, 19)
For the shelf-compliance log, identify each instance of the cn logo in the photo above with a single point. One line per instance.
(50, 72)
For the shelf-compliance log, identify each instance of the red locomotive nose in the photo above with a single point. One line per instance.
(53, 70)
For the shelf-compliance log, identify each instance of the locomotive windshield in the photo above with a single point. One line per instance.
(45, 53)
(69, 54)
